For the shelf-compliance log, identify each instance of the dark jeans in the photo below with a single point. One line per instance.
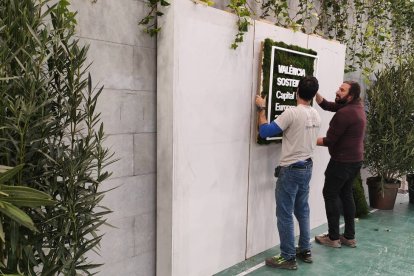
(339, 177)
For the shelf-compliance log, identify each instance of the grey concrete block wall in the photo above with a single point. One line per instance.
(133, 219)
(124, 62)
(145, 160)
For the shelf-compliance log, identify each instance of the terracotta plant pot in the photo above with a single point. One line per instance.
(410, 181)
(382, 198)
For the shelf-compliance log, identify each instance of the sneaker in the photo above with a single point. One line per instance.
(305, 256)
(325, 240)
(345, 241)
(280, 262)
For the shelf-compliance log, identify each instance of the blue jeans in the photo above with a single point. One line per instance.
(292, 193)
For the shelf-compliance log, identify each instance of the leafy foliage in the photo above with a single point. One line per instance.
(372, 30)
(48, 121)
(241, 9)
(149, 21)
(12, 197)
(364, 26)
(361, 206)
(389, 145)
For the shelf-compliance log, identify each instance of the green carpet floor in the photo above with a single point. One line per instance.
(385, 247)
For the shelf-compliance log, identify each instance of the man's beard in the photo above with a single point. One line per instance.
(339, 100)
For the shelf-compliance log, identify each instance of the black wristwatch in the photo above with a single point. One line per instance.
(260, 108)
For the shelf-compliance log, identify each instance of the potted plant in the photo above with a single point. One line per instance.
(390, 135)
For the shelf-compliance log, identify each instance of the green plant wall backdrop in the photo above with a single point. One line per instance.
(286, 59)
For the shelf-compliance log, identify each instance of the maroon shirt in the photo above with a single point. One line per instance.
(345, 136)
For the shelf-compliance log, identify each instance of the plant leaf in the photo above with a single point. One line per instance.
(17, 215)
(8, 172)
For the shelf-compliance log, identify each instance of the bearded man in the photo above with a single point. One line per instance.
(345, 141)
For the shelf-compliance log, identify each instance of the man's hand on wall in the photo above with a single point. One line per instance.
(260, 102)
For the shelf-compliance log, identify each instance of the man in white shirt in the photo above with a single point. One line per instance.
(300, 126)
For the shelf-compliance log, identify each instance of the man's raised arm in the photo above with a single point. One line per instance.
(325, 105)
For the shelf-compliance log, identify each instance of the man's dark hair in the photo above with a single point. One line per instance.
(307, 88)
(354, 90)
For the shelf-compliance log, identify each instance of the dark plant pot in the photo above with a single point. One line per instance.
(383, 199)
(410, 181)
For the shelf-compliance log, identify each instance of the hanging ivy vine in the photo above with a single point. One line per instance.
(373, 30)
(149, 21)
(242, 10)
(364, 26)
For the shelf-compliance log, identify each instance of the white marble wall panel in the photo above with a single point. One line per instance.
(210, 120)
(205, 150)
(261, 229)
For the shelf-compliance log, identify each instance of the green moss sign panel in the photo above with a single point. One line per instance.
(282, 67)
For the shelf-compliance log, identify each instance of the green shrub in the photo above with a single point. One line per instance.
(389, 143)
(361, 206)
(49, 123)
